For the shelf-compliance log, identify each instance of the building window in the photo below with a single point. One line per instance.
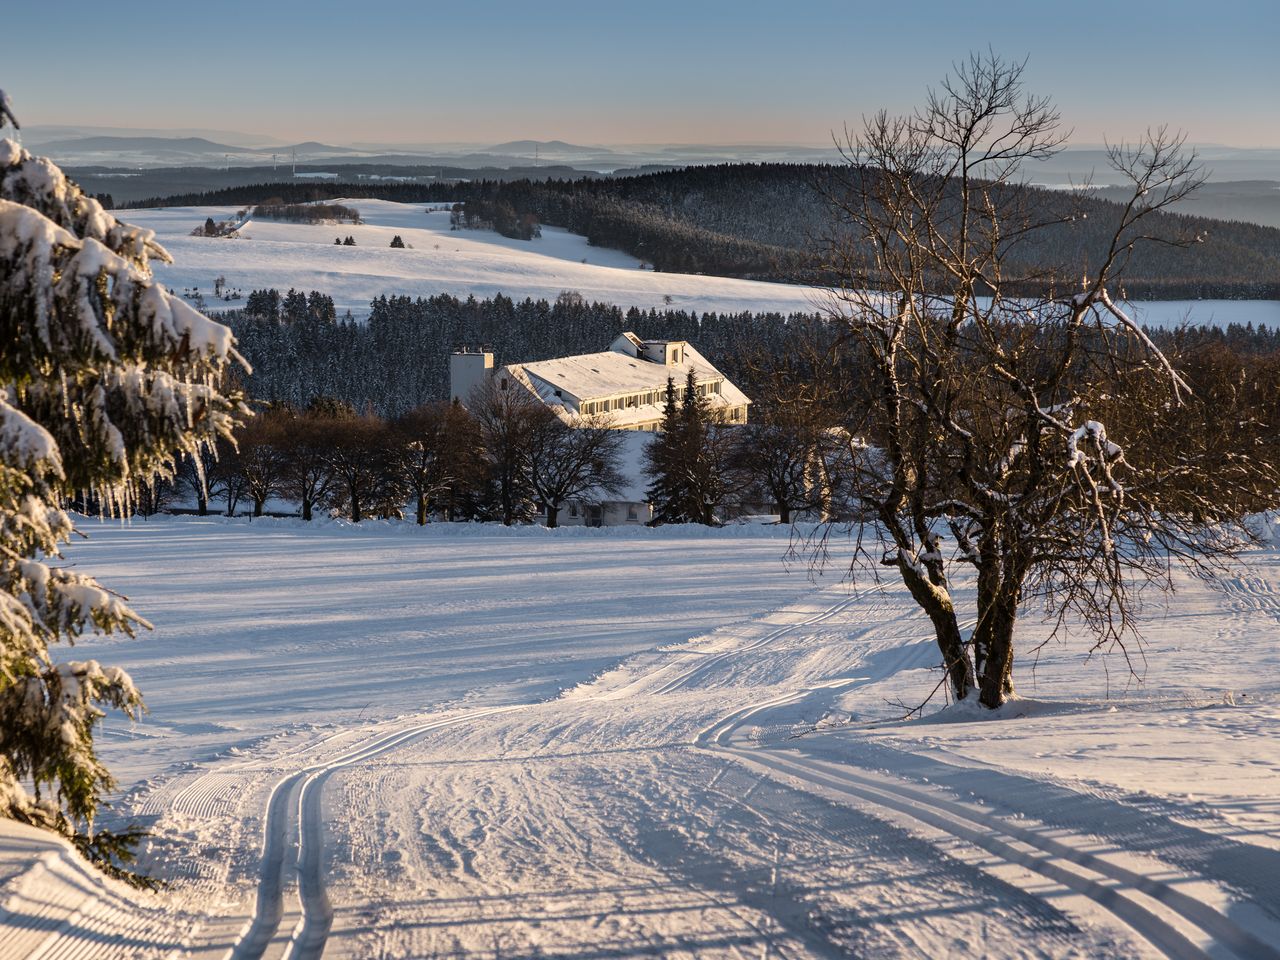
(573, 509)
(631, 512)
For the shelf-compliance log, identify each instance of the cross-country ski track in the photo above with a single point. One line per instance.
(1175, 924)
(746, 792)
(294, 822)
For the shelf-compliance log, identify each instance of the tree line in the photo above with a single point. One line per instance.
(504, 457)
(398, 359)
(274, 208)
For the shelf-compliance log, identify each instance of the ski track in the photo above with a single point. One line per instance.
(1042, 841)
(295, 820)
(1175, 924)
(1150, 907)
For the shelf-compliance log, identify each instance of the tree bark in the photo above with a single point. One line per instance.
(997, 671)
(935, 602)
(553, 515)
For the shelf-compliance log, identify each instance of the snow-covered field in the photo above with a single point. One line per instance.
(482, 263)
(472, 742)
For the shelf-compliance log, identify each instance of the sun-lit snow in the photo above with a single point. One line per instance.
(482, 263)
(665, 742)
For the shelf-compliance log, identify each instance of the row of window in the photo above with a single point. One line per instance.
(633, 512)
(643, 399)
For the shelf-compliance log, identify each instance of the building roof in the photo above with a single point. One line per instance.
(612, 373)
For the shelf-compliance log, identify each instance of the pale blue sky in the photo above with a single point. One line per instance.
(643, 72)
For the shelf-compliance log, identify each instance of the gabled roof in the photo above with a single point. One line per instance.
(612, 373)
(592, 376)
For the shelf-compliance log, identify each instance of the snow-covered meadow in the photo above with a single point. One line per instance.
(482, 263)
(380, 741)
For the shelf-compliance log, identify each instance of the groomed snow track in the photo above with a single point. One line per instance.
(295, 822)
(1176, 924)
(1042, 861)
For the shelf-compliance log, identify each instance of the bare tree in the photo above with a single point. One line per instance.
(226, 475)
(305, 472)
(990, 370)
(260, 448)
(784, 459)
(432, 442)
(572, 462)
(358, 457)
(506, 414)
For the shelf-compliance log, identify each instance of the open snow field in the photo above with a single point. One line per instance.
(469, 742)
(482, 263)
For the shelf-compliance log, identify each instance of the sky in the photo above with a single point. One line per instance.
(697, 71)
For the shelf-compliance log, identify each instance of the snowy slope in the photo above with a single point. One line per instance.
(359, 745)
(482, 263)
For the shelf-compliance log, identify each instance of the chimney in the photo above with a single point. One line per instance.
(468, 368)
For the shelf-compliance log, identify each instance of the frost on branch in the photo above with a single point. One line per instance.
(106, 379)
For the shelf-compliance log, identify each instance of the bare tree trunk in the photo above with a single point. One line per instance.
(937, 605)
(422, 510)
(259, 503)
(553, 515)
(306, 508)
(997, 670)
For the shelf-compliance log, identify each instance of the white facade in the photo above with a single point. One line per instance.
(624, 387)
(627, 383)
(468, 368)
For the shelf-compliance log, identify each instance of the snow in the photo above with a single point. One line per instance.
(468, 740)
(612, 373)
(482, 263)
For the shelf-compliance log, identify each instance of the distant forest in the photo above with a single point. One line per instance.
(770, 222)
(399, 358)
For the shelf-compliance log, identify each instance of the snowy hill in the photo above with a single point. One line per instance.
(482, 263)
(437, 260)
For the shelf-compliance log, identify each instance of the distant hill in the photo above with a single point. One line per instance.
(311, 146)
(184, 145)
(142, 144)
(545, 146)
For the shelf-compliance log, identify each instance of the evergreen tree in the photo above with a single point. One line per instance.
(687, 464)
(105, 378)
(664, 465)
(397, 242)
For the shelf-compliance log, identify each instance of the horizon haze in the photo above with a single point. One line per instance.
(710, 74)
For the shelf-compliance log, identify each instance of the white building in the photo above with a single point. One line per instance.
(625, 385)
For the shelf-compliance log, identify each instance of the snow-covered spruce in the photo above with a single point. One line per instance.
(105, 378)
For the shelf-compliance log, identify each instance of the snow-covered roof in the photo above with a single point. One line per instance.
(611, 373)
